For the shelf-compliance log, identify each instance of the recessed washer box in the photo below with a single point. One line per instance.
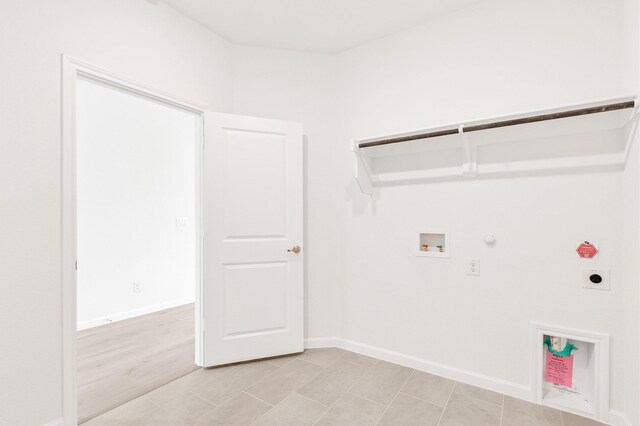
(588, 394)
(433, 243)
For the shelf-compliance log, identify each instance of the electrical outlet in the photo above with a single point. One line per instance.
(136, 287)
(598, 279)
(473, 266)
(182, 222)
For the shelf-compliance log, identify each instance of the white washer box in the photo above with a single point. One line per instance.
(589, 394)
(433, 238)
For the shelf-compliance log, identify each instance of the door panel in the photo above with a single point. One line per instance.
(254, 190)
(266, 309)
(252, 286)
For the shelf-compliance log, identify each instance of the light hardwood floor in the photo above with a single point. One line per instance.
(121, 361)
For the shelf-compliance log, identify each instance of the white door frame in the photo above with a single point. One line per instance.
(71, 70)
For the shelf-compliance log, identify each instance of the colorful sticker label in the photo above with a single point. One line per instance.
(559, 369)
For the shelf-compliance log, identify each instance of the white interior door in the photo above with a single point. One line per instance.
(252, 295)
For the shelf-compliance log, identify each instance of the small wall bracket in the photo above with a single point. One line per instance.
(363, 169)
(469, 155)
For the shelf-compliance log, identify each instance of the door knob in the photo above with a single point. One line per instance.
(294, 249)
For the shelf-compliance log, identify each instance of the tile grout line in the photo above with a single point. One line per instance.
(327, 412)
(394, 398)
(369, 369)
(213, 408)
(318, 365)
(327, 407)
(266, 412)
(202, 398)
(319, 372)
(313, 400)
(278, 368)
(205, 413)
(188, 389)
(446, 403)
(233, 396)
(148, 399)
(365, 398)
(422, 399)
(253, 396)
(295, 391)
(326, 368)
(293, 358)
(348, 391)
(475, 398)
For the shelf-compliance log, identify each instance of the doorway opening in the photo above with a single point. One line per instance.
(254, 259)
(135, 198)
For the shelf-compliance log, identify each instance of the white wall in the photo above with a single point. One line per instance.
(631, 234)
(498, 57)
(303, 87)
(495, 58)
(147, 42)
(135, 177)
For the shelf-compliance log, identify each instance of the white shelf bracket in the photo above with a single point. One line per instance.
(633, 129)
(469, 155)
(362, 169)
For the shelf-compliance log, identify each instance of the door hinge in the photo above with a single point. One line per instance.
(76, 265)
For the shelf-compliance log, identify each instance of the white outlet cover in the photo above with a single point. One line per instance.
(605, 274)
(182, 222)
(473, 266)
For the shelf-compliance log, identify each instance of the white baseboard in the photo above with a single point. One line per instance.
(619, 418)
(56, 422)
(83, 325)
(498, 385)
(515, 390)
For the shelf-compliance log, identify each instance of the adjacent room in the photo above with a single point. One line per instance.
(136, 245)
(320, 212)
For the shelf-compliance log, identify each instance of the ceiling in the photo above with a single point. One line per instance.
(323, 26)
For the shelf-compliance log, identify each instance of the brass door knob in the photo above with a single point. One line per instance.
(294, 249)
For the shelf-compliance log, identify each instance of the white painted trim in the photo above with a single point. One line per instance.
(516, 115)
(368, 179)
(619, 418)
(601, 354)
(516, 390)
(56, 422)
(363, 170)
(69, 238)
(199, 241)
(119, 316)
(323, 342)
(632, 125)
(71, 70)
(99, 74)
(465, 376)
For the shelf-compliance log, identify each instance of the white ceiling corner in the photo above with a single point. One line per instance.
(321, 26)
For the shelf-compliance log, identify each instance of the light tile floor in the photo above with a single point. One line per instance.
(327, 387)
